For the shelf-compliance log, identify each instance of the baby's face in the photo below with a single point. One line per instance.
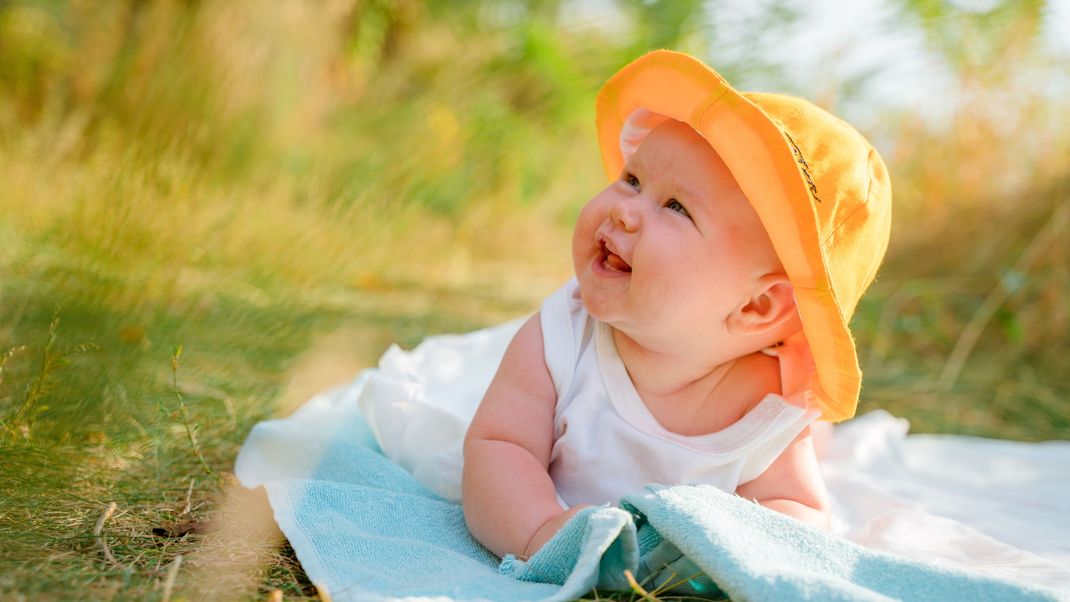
(672, 246)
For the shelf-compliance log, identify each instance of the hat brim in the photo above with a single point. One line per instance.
(762, 161)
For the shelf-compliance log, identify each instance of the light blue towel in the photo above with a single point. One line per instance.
(366, 530)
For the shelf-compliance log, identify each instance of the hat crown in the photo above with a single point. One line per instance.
(849, 189)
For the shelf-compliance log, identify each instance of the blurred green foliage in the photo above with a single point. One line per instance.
(242, 178)
(977, 39)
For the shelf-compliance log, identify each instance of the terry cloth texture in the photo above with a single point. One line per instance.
(365, 529)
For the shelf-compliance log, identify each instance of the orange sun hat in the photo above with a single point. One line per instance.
(820, 189)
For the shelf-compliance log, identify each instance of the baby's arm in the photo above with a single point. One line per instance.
(793, 484)
(510, 503)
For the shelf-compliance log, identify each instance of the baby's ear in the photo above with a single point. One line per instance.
(770, 307)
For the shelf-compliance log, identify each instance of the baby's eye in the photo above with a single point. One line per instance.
(675, 205)
(631, 180)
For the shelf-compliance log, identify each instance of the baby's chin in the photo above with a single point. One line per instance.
(603, 307)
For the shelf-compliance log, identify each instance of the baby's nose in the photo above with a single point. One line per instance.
(625, 213)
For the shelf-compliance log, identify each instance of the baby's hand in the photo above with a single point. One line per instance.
(547, 531)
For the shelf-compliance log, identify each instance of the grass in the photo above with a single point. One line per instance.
(124, 424)
(283, 212)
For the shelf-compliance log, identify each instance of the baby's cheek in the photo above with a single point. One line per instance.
(688, 266)
(581, 230)
(586, 222)
(694, 281)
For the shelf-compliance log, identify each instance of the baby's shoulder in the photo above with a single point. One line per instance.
(522, 372)
(567, 330)
(750, 381)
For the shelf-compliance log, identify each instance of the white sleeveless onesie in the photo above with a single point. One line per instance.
(608, 444)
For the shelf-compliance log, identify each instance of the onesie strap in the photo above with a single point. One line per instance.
(559, 339)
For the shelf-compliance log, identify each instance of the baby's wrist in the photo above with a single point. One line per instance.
(547, 530)
(533, 545)
(527, 552)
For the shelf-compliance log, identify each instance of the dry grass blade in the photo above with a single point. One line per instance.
(189, 494)
(668, 585)
(102, 543)
(638, 588)
(998, 296)
(184, 414)
(172, 574)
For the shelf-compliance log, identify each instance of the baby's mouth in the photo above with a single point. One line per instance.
(611, 261)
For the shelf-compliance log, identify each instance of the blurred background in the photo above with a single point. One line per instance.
(210, 210)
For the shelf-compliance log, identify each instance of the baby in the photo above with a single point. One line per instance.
(706, 328)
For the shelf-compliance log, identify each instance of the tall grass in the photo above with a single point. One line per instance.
(968, 325)
(285, 188)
